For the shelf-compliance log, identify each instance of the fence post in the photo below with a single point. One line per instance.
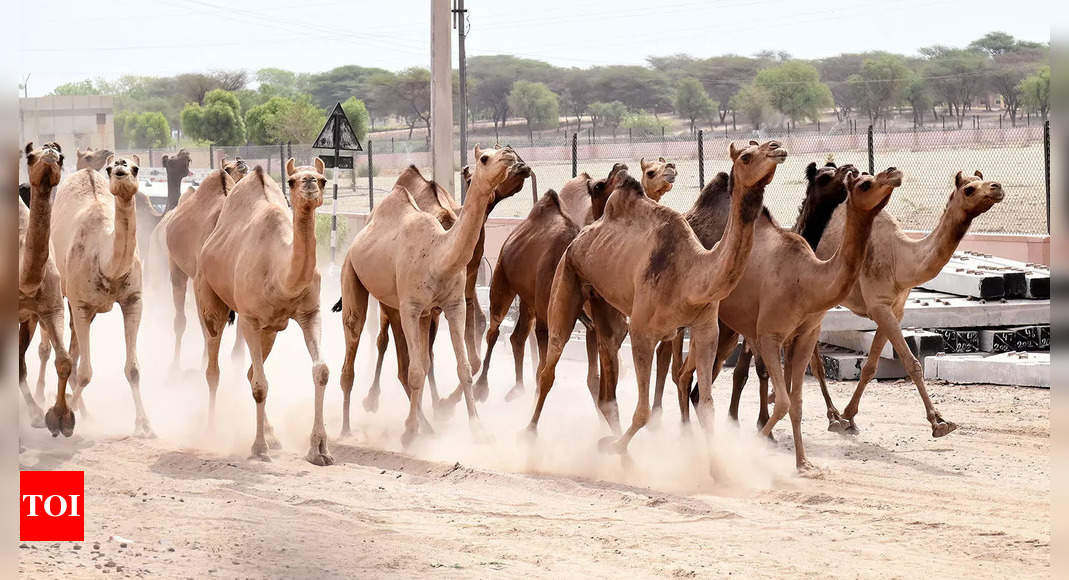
(575, 154)
(289, 149)
(211, 155)
(150, 156)
(629, 134)
(370, 179)
(701, 161)
(872, 156)
(1046, 166)
(282, 165)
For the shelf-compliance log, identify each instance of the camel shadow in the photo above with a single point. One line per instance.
(191, 466)
(51, 453)
(865, 450)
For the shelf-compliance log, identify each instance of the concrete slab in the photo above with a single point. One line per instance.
(1024, 369)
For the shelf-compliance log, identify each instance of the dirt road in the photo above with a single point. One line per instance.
(892, 501)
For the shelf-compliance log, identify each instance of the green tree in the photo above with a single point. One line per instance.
(794, 89)
(880, 85)
(723, 76)
(835, 71)
(356, 111)
(281, 120)
(994, 43)
(492, 78)
(643, 124)
(1035, 92)
(753, 103)
(406, 94)
(637, 87)
(141, 130)
(218, 120)
(692, 102)
(260, 121)
(608, 114)
(535, 103)
(578, 92)
(85, 87)
(338, 84)
(919, 98)
(956, 77)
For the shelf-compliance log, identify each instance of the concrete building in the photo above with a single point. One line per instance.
(71, 121)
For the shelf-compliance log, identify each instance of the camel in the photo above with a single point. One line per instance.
(781, 299)
(94, 232)
(183, 231)
(657, 177)
(642, 260)
(432, 198)
(894, 265)
(525, 268)
(260, 263)
(410, 263)
(40, 295)
(177, 167)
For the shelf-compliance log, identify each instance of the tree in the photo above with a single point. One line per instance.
(282, 120)
(919, 98)
(994, 43)
(835, 71)
(1006, 72)
(692, 102)
(535, 103)
(260, 121)
(723, 76)
(231, 80)
(609, 114)
(880, 85)
(578, 92)
(85, 87)
(141, 130)
(407, 94)
(794, 89)
(643, 124)
(753, 103)
(338, 84)
(357, 113)
(218, 120)
(193, 87)
(1035, 92)
(956, 77)
(492, 78)
(637, 87)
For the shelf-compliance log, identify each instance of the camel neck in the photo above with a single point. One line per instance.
(303, 257)
(728, 258)
(38, 230)
(934, 250)
(124, 242)
(174, 189)
(464, 234)
(839, 273)
(813, 218)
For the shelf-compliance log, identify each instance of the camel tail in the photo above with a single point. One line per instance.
(231, 317)
(337, 306)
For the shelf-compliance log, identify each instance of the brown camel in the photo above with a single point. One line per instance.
(641, 259)
(433, 199)
(177, 167)
(657, 177)
(260, 262)
(525, 268)
(894, 265)
(781, 299)
(94, 233)
(182, 233)
(40, 296)
(410, 263)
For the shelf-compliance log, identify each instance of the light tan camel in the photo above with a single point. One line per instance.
(432, 198)
(260, 262)
(182, 233)
(525, 268)
(781, 299)
(894, 265)
(40, 295)
(410, 263)
(641, 259)
(657, 177)
(94, 233)
(91, 158)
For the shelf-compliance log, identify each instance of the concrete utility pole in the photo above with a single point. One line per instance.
(441, 94)
(461, 24)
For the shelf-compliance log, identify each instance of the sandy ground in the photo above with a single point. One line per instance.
(891, 502)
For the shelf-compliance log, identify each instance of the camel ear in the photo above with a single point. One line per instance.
(958, 179)
(290, 166)
(165, 158)
(642, 163)
(811, 171)
(978, 174)
(661, 159)
(319, 165)
(29, 148)
(465, 174)
(733, 151)
(109, 160)
(851, 180)
(754, 143)
(478, 153)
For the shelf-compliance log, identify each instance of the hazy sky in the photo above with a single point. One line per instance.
(76, 40)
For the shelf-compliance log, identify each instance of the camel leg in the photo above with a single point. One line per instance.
(60, 418)
(81, 353)
(536, 356)
(417, 374)
(541, 336)
(26, 330)
(429, 327)
(642, 348)
(401, 346)
(131, 315)
(472, 311)
(799, 353)
(816, 366)
(237, 352)
(768, 347)
(612, 329)
(739, 377)
(868, 372)
(255, 339)
(212, 328)
(762, 394)
(682, 392)
(382, 342)
(178, 295)
(454, 316)
(519, 335)
(318, 453)
(664, 360)
(593, 377)
(44, 351)
(565, 304)
(354, 312)
(265, 351)
(501, 297)
(703, 341)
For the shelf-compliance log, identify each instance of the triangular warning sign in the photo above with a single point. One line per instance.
(337, 133)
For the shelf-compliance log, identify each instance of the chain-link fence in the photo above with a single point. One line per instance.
(1018, 157)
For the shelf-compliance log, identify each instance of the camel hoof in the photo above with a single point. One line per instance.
(514, 393)
(144, 431)
(528, 435)
(408, 437)
(807, 470)
(345, 432)
(654, 421)
(272, 441)
(320, 459)
(60, 423)
(371, 403)
(943, 428)
(481, 392)
(261, 456)
(850, 427)
(836, 425)
(611, 444)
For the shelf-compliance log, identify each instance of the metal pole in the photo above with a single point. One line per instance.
(441, 95)
(461, 15)
(370, 179)
(701, 160)
(575, 154)
(1046, 166)
(282, 166)
(334, 206)
(289, 149)
(872, 156)
(211, 155)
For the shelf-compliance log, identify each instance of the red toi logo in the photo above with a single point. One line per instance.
(52, 506)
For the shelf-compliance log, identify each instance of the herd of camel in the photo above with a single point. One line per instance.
(601, 251)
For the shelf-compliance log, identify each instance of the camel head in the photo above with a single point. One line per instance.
(755, 164)
(44, 164)
(826, 186)
(306, 184)
(236, 168)
(178, 165)
(871, 192)
(601, 189)
(93, 159)
(974, 195)
(493, 167)
(657, 177)
(122, 175)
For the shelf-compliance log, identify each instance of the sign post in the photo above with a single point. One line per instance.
(337, 134)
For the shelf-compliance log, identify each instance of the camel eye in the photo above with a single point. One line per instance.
(292, 182)
(970, 190)
(322, 183)
(134, 170)
(651, 173)
(484, 159)
(866, 186)
(746, 157)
